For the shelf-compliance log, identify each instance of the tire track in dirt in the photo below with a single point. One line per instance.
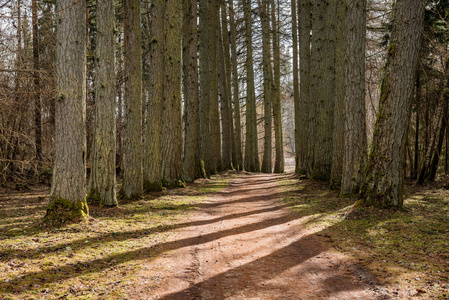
(245, 244)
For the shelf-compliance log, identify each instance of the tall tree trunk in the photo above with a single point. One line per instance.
(418, 100)
(190, 61)
(304, 97)
(102, 176)
(37, 86)
(322, 89)
(172, 115)
(133, 167)
(356, 144)
(226, 149)
(215, 145)
(339, 111)
(227, 65)
(436, 154)
(276, 95)
(384, 178)
(296, 86)
(204, 99)
(153, 143)
(430, 165)
(251, 147)
(68, 191)
(238, 164)
(267, 164)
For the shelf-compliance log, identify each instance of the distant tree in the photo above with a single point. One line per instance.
(251, 147)
(267, 161)
(276, 95)
(225, 93)
(37, 85)
(190, 65)
(133, 172)
(238, 161)
(204, 96)
(68, 192)
(304, 97)
(341, 55)
(296, 86)
(215, 145)
(383, 182)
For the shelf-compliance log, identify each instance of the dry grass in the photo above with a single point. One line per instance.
(91, 261)
(408, 250)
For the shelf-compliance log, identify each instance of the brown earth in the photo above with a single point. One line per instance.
(243, 243)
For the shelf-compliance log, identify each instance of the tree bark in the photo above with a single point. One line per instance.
(204, 99)
(304, 97)
(215, 145)
(383, 182)
(37, 86)
(296, 86)
(228, 77)
(339, 113)
(418, 100)
(226, 149)
(172, 113)
(276, 95)
(102, 176)
(68, 192)
(251, 147)
(238, 164)
(133, 166)
(322, 89)
(267, 164)
(190, 64)
(355, 144)
(153, 142)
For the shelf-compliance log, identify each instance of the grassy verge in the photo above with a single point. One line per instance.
(407, 250)
(98, 260)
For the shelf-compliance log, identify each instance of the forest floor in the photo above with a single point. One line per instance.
(235, 236)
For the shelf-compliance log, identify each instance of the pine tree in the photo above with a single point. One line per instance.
(322, 89)
(190, 64)
(153, 144)
(304, 156)
(215, 145)
(355, 153)
(296, 88)
(383, 183)
(133, 172)
(68, 191)
(276, 95)
(171, 115)
(251, 147)
(238, 163)
(267, 163)
(204, 138)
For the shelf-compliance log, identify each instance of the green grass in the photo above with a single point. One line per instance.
(98, 260)
(406, 249)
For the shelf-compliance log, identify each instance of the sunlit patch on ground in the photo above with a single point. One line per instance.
(100, 259)
(407, 249)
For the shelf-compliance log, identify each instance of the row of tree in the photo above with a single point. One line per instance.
(202, 57)
(331, 130)
(165, 92)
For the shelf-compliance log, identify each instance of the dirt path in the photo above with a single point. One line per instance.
(244, 244)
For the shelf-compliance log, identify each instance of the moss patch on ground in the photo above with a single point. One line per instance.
(408, 249)
(88, 261)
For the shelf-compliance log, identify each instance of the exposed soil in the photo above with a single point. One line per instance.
(243, 243)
